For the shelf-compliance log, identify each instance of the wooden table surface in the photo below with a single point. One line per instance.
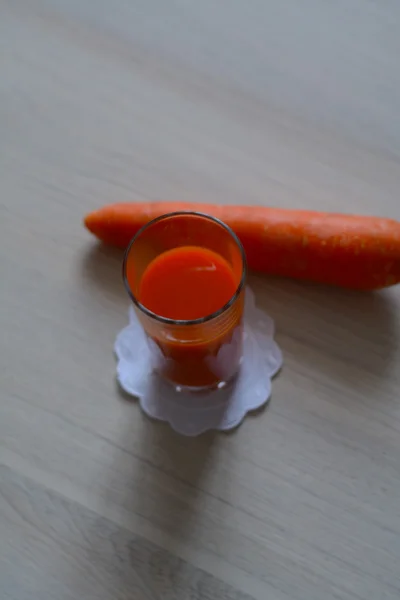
(288, 103)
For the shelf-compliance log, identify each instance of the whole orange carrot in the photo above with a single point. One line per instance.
(345, 250)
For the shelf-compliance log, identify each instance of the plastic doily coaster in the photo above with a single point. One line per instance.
(194, 413)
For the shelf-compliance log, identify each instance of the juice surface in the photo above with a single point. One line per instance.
(186, 283)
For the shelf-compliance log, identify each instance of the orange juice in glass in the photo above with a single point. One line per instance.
(185, 273)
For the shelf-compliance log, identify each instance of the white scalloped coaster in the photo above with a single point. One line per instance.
(194, 413)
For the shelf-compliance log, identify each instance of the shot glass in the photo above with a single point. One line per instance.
(199, 353)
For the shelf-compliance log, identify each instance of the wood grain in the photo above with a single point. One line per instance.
(279, 103)
(101, 558)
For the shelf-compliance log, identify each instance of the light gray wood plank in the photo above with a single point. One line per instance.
(55, 548)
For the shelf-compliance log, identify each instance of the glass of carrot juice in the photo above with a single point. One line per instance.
(185, 273)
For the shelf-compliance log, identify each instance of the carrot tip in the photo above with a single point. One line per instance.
(89, 222)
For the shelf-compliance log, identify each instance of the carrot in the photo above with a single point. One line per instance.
(344, 250)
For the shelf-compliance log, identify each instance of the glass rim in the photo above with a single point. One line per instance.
(211, 316)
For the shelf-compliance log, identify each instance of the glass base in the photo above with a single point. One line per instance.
(219, 385)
